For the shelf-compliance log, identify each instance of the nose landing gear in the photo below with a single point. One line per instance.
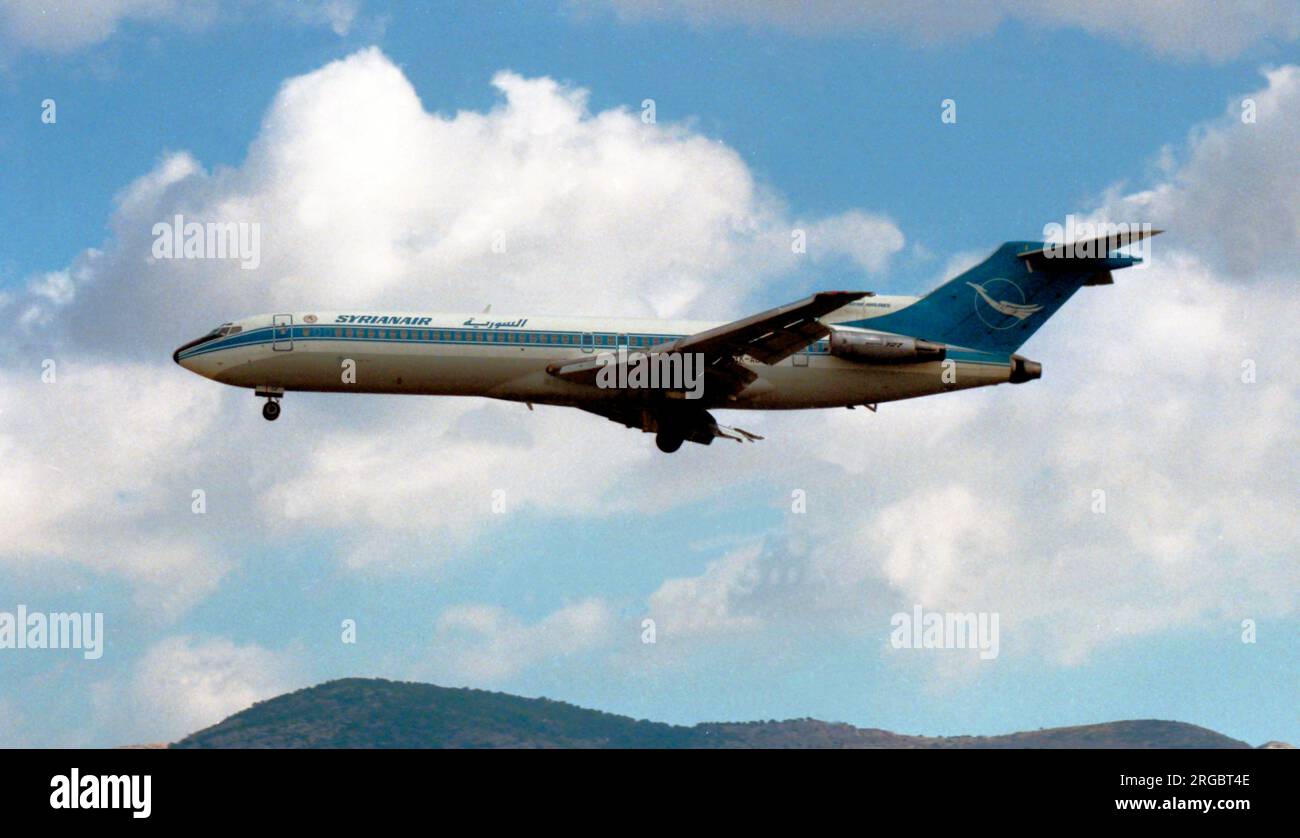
(270, 410)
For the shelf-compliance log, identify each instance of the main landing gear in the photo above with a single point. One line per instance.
(271, 410)
(668, 441)
(673, 427)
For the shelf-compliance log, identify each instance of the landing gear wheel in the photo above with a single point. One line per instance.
(271, 410)
(668, 442)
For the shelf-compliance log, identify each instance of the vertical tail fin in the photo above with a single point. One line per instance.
(998, 304)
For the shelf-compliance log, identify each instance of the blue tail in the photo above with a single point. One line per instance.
(998, 304)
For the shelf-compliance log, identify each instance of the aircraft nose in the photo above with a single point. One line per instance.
(176, 356)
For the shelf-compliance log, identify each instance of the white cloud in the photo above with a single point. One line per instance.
(366, 199)
(485, 643)
(183, 684)
(869, 240)
(706, 604)
(65, 27)
(1233, 199)
(1192, 29)
(99, 466)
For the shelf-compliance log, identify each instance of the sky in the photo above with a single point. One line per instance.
(1130, 518)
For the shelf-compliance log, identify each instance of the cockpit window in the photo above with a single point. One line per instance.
(225, 329)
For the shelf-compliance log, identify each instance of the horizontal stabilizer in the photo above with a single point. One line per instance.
(1098, 248)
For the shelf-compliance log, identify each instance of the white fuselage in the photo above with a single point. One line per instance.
(500, 357)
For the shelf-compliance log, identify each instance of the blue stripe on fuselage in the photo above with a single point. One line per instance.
(266, 334)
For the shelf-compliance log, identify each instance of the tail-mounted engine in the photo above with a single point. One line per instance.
(881, 348)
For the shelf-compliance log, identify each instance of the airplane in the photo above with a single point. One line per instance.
(832, 349)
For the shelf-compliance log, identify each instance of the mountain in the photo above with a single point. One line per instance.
(374, 713)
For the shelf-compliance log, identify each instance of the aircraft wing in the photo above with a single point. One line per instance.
(768, 337)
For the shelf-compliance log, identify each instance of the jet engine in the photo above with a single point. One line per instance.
(880, 348)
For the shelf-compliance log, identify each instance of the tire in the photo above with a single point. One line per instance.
(668, 442)
(271, 411)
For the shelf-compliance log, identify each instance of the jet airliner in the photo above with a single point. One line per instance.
(832, 349)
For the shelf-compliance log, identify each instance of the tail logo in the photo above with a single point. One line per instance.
(1001, 314)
